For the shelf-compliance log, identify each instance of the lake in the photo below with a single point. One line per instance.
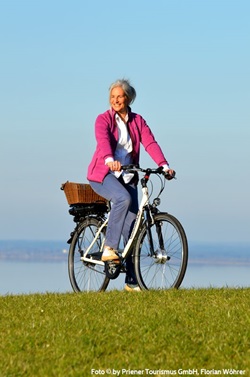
(40, 267)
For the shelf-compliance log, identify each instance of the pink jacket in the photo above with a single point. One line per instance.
(106, 133)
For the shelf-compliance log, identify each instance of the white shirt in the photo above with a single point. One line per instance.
(124, 148)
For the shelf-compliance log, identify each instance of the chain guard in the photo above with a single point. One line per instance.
(112, 269)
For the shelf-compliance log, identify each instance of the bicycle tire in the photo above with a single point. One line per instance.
(85, 277)
(168, 272)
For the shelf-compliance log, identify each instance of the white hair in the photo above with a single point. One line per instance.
(127, 88)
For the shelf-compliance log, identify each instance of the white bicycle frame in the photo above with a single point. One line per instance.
(144, 201)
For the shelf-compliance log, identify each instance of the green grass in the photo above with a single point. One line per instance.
(69, 334)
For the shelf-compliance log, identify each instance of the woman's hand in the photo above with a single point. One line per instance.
(170, 174)
(114, 165)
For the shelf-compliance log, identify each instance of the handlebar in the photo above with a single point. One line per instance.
(136, 168)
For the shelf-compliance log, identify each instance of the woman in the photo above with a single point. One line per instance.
(119, 133)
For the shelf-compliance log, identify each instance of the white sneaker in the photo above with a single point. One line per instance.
(132, 288)
(109, 254)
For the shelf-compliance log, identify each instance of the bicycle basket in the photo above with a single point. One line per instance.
(81, 193)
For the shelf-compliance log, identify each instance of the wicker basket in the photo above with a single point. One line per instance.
(81, 193)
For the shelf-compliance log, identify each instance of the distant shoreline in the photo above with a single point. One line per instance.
(221, 254)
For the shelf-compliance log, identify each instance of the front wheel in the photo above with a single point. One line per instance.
(161, 253)
(87, 276)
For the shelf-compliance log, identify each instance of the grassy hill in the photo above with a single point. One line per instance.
(174, 332)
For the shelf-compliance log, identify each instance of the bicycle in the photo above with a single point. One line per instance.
(158, 243)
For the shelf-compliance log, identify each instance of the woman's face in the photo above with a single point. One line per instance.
(118, 100)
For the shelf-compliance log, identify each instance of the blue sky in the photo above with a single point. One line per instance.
(190, 64)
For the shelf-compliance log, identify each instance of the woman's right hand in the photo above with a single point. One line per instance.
(114, 165)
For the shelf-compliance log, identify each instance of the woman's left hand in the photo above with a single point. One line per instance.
(170, 174)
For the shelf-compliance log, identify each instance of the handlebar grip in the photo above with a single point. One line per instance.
(170, 176)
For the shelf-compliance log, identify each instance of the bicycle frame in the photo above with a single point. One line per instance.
(138, 222)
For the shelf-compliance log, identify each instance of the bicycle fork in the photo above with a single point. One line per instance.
(160, 255)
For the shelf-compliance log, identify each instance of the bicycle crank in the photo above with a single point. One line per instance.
(112, 269)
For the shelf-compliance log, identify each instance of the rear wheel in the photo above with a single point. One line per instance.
(167, 266)
(86, 276)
